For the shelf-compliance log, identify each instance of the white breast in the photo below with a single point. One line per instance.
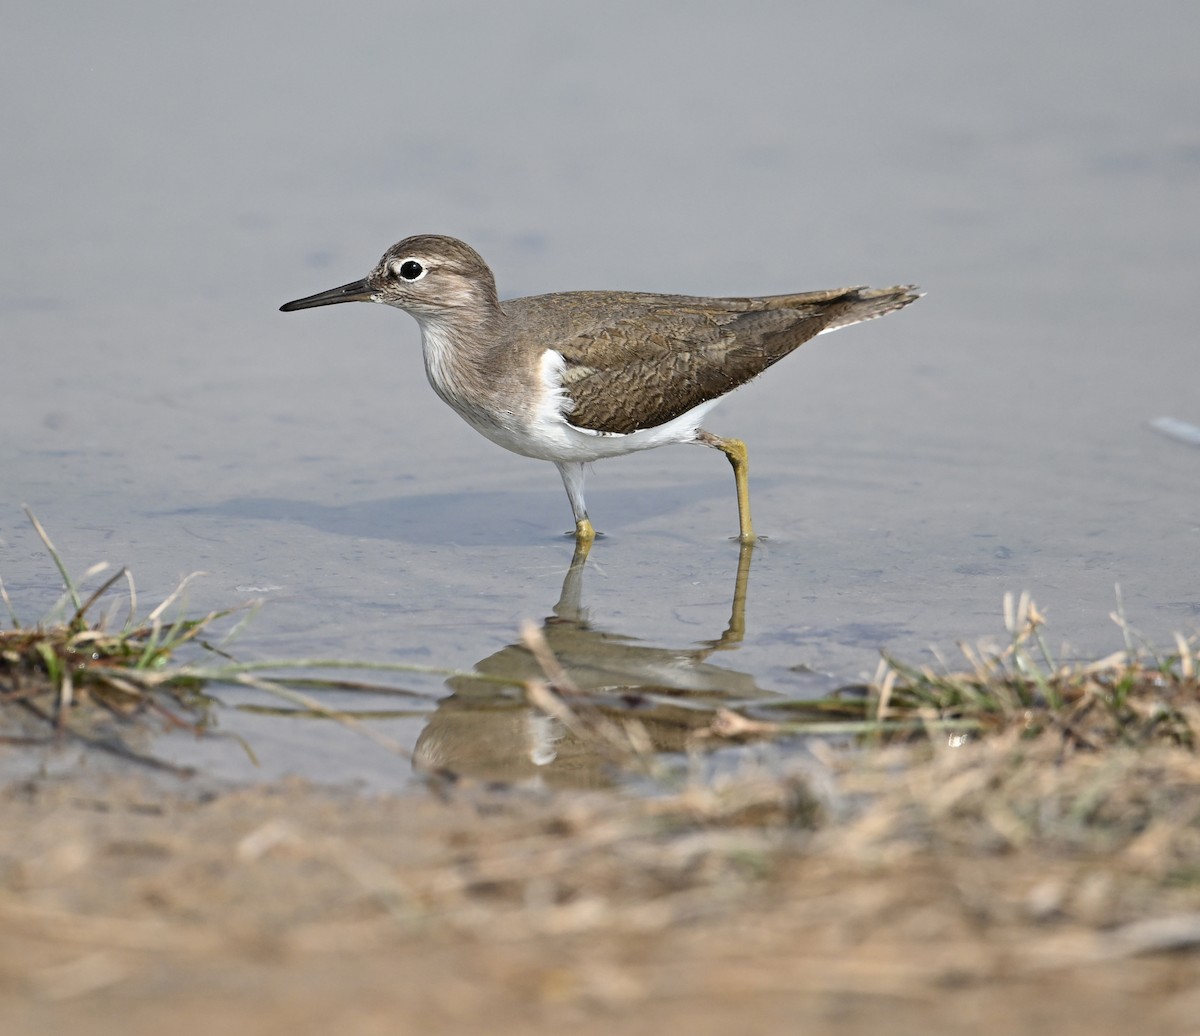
(437, 347)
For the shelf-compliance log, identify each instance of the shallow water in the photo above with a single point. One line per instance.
(172, 177)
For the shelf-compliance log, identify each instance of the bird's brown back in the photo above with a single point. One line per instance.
(637, 360)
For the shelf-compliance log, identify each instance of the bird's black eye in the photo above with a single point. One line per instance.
(411, 270)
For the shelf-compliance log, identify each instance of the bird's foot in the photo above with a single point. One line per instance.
(584, 533)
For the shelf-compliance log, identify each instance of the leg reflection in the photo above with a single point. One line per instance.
(490, 732)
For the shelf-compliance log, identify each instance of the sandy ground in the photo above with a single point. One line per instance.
(756, 905)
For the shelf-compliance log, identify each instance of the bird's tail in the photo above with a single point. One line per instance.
(860, 304)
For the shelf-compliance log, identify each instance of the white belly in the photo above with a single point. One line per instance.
(551, 437)
(544, 431)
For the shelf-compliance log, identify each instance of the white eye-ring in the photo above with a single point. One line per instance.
(409, 269)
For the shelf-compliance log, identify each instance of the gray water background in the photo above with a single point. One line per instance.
(172, 173)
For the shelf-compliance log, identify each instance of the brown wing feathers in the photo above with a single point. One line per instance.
(651, 367)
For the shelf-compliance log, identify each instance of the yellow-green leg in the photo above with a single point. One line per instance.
(584, 535)
(735, 450)
(572, 476)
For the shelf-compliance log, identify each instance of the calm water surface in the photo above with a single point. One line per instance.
(171, 177)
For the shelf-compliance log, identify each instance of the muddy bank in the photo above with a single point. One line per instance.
(898, 893)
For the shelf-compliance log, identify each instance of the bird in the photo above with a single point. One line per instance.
(579, 376)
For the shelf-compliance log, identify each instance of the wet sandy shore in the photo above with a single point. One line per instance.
(760, 904)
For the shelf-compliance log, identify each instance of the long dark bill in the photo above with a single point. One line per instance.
(355, 291)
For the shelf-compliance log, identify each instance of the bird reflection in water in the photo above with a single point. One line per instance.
(483, 732)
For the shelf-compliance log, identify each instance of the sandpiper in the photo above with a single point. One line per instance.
(579, 376)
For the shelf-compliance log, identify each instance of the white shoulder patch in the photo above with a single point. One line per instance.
(555, 402)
